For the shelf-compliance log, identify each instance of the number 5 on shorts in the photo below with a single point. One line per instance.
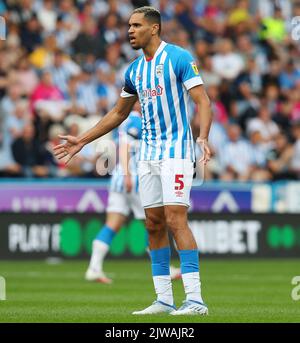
(179, 182)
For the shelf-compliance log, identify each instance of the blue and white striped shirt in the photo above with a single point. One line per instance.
(162, 85)
(129, 133)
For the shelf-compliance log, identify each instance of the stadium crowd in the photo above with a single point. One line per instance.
(62, 67)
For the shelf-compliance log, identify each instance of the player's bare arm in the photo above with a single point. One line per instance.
(110, 121)
(199, 96)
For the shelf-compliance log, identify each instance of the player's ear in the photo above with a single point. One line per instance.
(155, 29)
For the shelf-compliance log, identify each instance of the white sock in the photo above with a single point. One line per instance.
(192, 286)
(100, 249)
(163, 288)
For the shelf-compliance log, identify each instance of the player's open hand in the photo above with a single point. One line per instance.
(206, 153)
(68, 149)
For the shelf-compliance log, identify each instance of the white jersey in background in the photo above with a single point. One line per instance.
(129, 133)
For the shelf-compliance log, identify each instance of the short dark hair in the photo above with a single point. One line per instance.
(151, 14)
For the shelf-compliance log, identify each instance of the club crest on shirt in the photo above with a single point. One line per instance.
(195, 68)
(159, 70)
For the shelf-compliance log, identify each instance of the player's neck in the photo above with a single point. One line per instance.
(151, 48)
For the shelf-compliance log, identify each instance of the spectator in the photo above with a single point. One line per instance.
(25, 76)
(272, 75)
(8, 103)
(294, 98)
(251, 76)
(240, 13)
(63, 68)
(219, 110)
(21, 12)
(16, 122)
(279, 159)
(68, 58)
(89, 41)
(264, 124)
(273, 28)
(271, 93)
(63, 35)
(266, 8)
(259, 150)
(47, 16)
(87, 91)
(72, 96)
(43, 55)
(236, 157)
(247, 103)
(110, 31)
(29, 154)
(31, 34)
(295, 162)
(68, 14)
(227, 63)
(184, 17)
(283, 116)
(47, 100)
(8, 166)
(210, 78)
(289, 77)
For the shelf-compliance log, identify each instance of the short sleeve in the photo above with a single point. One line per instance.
(129, 88)
(188, 71)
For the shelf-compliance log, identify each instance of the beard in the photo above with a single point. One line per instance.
(137, 47)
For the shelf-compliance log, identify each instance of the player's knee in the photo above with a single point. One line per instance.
(154, 223)
(174, 222)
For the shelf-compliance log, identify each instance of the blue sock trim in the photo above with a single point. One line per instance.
(189, 261)
(106, 235)
(147, 238)
(160, 259)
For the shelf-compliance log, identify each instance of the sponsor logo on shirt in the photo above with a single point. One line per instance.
(149, 93)
(195, 68)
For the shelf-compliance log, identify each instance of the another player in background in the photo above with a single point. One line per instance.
(162, 79)
(123, 198)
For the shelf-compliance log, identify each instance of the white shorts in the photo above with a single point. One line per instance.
(166, 182)
(124, 203)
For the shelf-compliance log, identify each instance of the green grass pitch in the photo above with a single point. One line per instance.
(235, 291)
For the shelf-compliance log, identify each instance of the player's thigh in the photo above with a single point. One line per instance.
(150, 187)
(136, 206)
(176, 179)
(118, 209)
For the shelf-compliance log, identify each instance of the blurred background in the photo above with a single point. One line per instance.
(62, 67)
